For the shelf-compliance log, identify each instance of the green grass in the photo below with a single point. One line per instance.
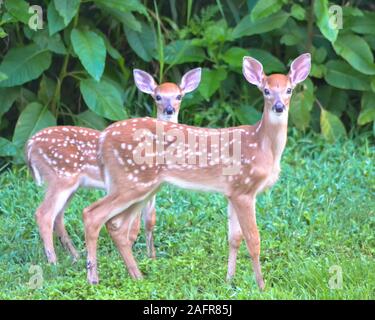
(319, 214)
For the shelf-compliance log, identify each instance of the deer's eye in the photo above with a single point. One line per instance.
(158, 98)
(266, 92)
(179, 97)
(289, 91)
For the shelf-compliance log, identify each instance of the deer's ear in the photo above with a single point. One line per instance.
(144, 81)
(252, 70)
(191, 80)
(300, 68)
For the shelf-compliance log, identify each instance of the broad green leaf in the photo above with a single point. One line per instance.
(19, 9)
(301, 105)
(124, 6)
(298, 12)
(247, 114)
(32, 119)
(318, 70)
(211, 80)
(234, 57)
(341, 75)
(91, 120)
(290, 39)
(265, 8)
(55, 21)
(356, 52)
(319, 54)
(143, 43)
(103, 98)
(182, 51)
(246, 27)
(216, 33)
(126, 18)
(364, 24)
(91, 51)
(51, 43)
(270, 62)
(24, 64)
(7, 148)
(367, 108)
(113, 52)
(331, 125)
(7, 98)
(323, 20)
(67, 9)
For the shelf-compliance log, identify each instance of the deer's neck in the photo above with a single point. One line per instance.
(272, 133)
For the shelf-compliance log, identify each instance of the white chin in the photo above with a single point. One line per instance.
(278, 117)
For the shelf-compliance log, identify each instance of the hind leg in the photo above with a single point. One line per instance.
(63, 234)
(54, 201)
(124, 230)
(99, 213)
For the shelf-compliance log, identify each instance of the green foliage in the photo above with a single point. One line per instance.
(78, 68)
(91, 51)
(319, 214)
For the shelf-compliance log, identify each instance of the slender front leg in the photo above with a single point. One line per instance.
(244, 206)
(149, 217)
(235, 238)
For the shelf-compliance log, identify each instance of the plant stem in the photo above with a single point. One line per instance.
(62, 75)
(310, 27)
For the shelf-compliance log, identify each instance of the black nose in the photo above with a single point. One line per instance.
(169, 110)
(278, 107)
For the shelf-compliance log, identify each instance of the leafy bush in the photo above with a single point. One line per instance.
(78, 68)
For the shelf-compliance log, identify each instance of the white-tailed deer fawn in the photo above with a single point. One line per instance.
(65, 158)
(137, 156)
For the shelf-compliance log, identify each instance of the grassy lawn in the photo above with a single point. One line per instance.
(321, 213)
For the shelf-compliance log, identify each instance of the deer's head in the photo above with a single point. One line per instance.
(168, 95)
(277, 89)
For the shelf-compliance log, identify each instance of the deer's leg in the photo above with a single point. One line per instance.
(99, 213)
(63, 234)
(149, 217)
(244, 207)
(124, 229)
(234, 238)
(54, 201)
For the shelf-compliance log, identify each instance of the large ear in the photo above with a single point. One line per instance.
(144, 81)
(191, 80)
(300, 68)
(252, 70)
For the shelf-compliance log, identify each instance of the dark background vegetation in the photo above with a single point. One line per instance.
(78, 68)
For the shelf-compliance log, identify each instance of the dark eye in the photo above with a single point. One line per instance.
(179, 97)
(289, 91)
(266, 92)
(158, 98)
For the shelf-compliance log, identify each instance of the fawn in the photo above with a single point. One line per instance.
(136, 156)
(65, 158)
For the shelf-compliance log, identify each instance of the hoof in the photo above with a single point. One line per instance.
(261, 285)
